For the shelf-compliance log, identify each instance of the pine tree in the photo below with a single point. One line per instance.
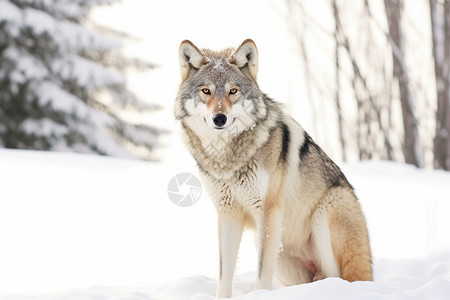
(61, 86)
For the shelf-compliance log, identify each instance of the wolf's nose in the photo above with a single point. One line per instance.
(220, 120)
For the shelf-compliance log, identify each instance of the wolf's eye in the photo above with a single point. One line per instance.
(233, 91)
(206, 91)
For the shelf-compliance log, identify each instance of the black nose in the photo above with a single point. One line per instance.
(220, 120)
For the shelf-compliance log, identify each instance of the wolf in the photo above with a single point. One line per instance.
(263, 171)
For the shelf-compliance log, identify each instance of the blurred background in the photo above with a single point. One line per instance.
(368, 79)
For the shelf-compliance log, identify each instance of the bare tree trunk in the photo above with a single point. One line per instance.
(412, 149)
(359, 80)
(299, 32)
(440, 28)
(378, 108)
(337, 80)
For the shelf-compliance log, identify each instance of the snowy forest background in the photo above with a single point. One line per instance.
(390, 80)
(374, 77)
(62, 86)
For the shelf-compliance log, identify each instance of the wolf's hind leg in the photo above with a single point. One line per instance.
(291, 271)
(268, 238)
(327, 265)
(340, 237)
(350, 242)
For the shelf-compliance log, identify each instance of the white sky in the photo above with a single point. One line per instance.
(160, 26)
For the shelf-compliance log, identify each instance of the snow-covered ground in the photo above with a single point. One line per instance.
(85, 227)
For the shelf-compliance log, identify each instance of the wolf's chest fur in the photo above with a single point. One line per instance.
(244, 191)
(228, 157)
(232, 168)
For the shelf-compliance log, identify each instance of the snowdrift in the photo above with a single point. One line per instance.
(86, 227)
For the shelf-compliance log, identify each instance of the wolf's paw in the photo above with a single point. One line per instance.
(260, 285)
(318, 276)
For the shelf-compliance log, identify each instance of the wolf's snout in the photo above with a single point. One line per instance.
(219, 120)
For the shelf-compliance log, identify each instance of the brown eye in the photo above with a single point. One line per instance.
(233, 91)
(206, 91)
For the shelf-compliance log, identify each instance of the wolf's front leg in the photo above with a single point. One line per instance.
(230, 232)
(268, 236)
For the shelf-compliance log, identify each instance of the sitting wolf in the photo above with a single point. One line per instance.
(263, 171)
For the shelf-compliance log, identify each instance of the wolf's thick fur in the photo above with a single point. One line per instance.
(263, 171)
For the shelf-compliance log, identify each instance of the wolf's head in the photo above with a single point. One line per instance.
(218, 89)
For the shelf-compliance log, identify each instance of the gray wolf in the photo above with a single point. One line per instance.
(263, 171)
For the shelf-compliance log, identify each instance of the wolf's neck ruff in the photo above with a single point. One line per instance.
(225, 155)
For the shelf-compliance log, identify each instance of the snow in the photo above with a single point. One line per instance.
(86, 72)
(98, 137)
(44, 127)
(76, 226)
(26, 66)
(59, 80)
(11, 14)
(76, 9)
(50, 94)
(40, 21)
(140, 136)
(70, 35)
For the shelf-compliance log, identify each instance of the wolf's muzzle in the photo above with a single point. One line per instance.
(219, 120)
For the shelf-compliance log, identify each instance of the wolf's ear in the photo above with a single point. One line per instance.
(246, 57)
(190, 58)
